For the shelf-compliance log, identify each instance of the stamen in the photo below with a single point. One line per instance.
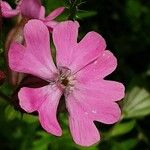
(66, 80)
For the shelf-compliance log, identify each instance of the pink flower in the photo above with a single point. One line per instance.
(78, 74)
(32, 9)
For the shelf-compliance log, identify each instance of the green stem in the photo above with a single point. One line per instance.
(73, 10)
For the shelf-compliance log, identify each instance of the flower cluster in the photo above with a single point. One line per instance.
(78, 73)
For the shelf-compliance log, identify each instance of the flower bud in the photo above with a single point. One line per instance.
(16, 34)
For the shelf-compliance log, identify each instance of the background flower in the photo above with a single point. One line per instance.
(31, 9)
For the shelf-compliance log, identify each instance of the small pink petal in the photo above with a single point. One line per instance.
(102, 89)
(65, 39)
(42, 13)
(104, 65)
(44, 100)
(30, 8)
(55, 13)
(82, 128)
(36, 57)
(7, 11)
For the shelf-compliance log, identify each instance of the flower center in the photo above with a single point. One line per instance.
(66, 79)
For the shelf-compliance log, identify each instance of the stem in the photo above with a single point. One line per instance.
(73, 9)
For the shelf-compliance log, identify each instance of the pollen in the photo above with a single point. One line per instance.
(66, 79)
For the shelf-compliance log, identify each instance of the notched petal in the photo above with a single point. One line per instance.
(82, 127)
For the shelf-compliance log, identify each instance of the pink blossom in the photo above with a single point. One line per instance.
(32, 9)
(78, 74)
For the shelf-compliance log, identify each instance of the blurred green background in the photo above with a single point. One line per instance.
(125, 24)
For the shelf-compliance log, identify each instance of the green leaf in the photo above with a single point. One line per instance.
(66, 3)
(136, 103)
(30, 118)
(85, 14)
(89, 148)
(134, 8)
(50, 5)
(11, 113)
(121, 128)
(128, 144)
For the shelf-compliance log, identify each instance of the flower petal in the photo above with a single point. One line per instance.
(42, 13)
(35, 58)
(65, 39)
(51, 25)
(102, 89)
(97, 109)
(75, 55)
(82, 128)
(7, 11)
(30, 8)
(30, 99)
(48, 110)
(104, 65)
(88, 49)
(44, 100)
(55, 13)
